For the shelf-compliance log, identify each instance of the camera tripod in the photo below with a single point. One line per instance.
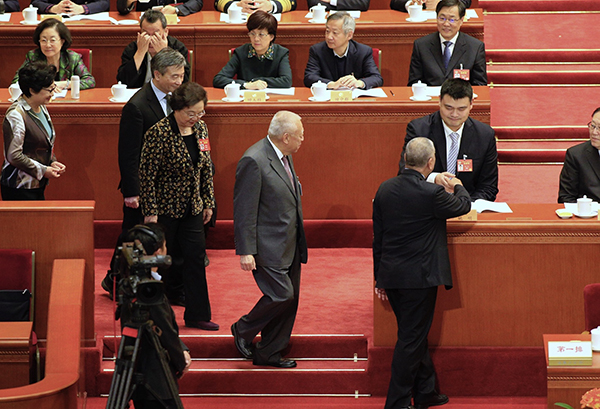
(125, 380)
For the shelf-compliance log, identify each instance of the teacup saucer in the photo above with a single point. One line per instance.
(564, 214)
(113, 99)
(314, 99)
(240, 99)
(30, 23)
(312, 20)
(421, 20)
(586, 216)
(412, 98)
(241, 21)
(128, 22)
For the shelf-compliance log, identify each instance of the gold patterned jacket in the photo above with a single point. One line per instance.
(168, 178)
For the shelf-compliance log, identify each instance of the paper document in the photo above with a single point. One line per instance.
(499, 207)
(373, 92)
(225, 17)
(280, 91)
(471, 13)
(354, 13)
(96, 17)
(5, 18)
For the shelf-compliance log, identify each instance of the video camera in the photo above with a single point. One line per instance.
(137, 284)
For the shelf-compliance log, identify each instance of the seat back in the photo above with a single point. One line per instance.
(377, 58)
(18, 272)
(86, 56)
(591, 304)
(190, 60)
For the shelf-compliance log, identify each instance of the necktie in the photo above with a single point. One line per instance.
(447, 53)
(453, 153)
(168, 99)
(286, 165)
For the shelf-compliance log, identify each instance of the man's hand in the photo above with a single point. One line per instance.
(168, 9)
(413, 2)
(75, 9)
(59, 167)
(453, 182)
(206, 215)
(443, 179)
(259, 84)
(150, 219)
(381, 294)
(158, 42)
(188, 362)
(133, 202)
(143, 42)
(247, 262)
(51, 172)
(346, 82)
(61, 8)
(250, 6)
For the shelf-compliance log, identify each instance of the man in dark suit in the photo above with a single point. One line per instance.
(154, 36)
(464, 146)
(436, 56)
(362, 5)
(339, 61)
(410, 259)
(402, 5)
(147, 107)
(269, 237)
(580, 174)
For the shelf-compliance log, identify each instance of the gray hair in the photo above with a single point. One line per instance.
(418, 152)
(165, 58)
(348, 24)
(283, 122)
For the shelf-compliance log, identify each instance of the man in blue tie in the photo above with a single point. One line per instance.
(464, 147)
(438, 56)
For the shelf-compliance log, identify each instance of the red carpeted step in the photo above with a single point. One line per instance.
(541, 37)
(545, 133)
(538, 5)
(533, 151)
(550, 73)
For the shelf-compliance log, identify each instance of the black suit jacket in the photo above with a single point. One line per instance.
(322, 65)
(400, 5)
(427, 65)
(185, 9)
(134, 78)
(580, 174)
(477, 143)
(362, 5)
(267, 209)
(139, 114)
(410, 248)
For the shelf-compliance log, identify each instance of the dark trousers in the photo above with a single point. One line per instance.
(275, 312)
(11, 193)
(186, 245)
(412, 368)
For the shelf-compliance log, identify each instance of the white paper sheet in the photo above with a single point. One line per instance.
(354, 13)
(96, 17)
(499, 207)
(280, 91)
(5, 18)
(225, 17)
(373, 92)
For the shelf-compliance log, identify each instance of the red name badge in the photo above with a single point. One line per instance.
(204, 145)
(464, 165)
(462, 74)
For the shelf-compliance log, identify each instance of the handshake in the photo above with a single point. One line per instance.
(447, 180)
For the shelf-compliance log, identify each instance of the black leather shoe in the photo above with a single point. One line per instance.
(205, 325)
(177, 300)
(282, 363)
(436, 399)
(243, 346)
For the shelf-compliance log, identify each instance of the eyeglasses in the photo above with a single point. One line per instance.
(259, 35)
(51, 89)
(593, 127)
(49, 41)
(193, 115)
(449, 20)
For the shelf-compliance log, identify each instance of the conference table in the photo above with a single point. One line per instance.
(349, 147)
(517, 276)
(210, 39)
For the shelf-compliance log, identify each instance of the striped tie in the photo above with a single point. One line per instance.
(447, 54)
(288, 170)
(453, 154)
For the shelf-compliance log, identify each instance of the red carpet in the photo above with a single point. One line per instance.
(547, 73)
(538, 5)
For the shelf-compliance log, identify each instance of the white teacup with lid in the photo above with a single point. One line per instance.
(235, 13)
(415, 11)
(232, 90)
(419, 90)
(30, 14)
(318, 12)
(584, 206)
(319, 90)
(118, 91)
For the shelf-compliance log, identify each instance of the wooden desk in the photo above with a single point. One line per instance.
(349, 147)
(15, 341)
(210, 39)
(567, 384)
(516, 277)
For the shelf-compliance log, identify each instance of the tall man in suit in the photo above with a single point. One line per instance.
(148, 106)
(436, 56)
(339, 61)
(135, 69)
(269, 237)
(464, 146)
(580, 174)
(410, 259)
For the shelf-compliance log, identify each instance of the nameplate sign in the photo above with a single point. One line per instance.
(171, 19)
(255, 96)
(54, 16)
(469, 217)
(570, 353)
(337, 96)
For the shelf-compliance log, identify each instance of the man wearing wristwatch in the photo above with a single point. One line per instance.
(168, 6)
(250, 6)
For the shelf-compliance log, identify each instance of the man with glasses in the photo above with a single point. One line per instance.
(339, 61)
(135, 69)
(448, 53)
(580, 174)
(148, 106)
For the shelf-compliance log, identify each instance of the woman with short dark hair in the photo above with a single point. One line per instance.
(29, 136)
(53, 39)
(260, 63)
(176, 189)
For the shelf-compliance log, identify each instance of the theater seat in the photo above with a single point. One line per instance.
(591, 303)
(86, 56)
